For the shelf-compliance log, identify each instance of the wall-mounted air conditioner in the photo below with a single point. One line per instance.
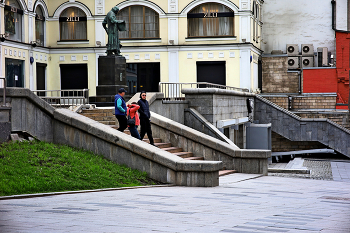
(307, 50)
(292, 49)
(307, 62)
(322, 56)
(293, 62)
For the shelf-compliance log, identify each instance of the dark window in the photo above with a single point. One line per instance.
(141, 22)
(39, 26)
(13, 20)
(73, 24)
(210, 20)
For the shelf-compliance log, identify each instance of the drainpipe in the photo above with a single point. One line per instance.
(333, 14)
(299, 89)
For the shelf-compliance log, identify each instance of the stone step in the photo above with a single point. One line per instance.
(226, 172)
(98, 111)
(173, 149)
(184, 154)
(108, 122)
(156, 140)
(162, 144)
(194, 158)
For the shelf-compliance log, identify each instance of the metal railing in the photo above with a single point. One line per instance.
(64, 98)
(4, 93)
(172, 91)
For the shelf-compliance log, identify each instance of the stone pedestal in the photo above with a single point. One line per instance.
(111, 75)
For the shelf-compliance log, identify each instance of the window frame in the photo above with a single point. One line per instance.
(76, 19)
(15, 10)
(41, 19)
(230, 14)
(143, 22)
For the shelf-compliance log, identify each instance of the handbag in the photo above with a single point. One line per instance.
(130, 121)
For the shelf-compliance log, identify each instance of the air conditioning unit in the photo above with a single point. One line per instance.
(307, 62)
(307, 50)
(293, 62)
(292, 49)
(322, 56)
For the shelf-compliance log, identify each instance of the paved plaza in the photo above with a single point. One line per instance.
(242, 203)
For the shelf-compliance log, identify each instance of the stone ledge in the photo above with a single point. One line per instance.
(217, 91)
(132, 144)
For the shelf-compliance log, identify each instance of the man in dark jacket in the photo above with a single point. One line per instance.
(120, 109)
(145, 116)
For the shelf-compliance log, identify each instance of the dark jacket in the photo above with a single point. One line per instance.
(117, 111)
(144, 109)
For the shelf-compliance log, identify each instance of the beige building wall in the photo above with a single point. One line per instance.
(173, 49)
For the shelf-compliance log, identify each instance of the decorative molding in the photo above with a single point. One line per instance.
(73, 58)
(151, 5)
(210, 55)
(200, 55)
(221, 55)
(5, 51)
(99, 7)
(232, 54)
(189, 55)
(62, 58)
(43, 7)
(85, 58)
(194, 4)
(147, 56)
(66, 5)
(137, 57)
(141, 41)
(211, 39)
(157, 56)
(72, 42)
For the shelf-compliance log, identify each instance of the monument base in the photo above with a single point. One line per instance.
(111, 75)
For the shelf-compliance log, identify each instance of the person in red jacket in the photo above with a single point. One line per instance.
(132, 112)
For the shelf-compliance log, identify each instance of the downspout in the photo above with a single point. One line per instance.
(333, 15)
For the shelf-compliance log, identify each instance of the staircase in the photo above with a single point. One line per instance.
(295, 128)
(106, 116)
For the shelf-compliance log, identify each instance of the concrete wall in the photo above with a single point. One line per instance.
(297, 22)
(62, 126)
(200, 144)
(173, 110)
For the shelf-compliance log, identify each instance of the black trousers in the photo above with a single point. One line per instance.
(122, 122)
(146, 128)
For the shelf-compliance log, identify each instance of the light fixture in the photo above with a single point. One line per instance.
(2, 37)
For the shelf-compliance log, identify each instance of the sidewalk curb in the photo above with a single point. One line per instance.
(295, 171)
(23, 196)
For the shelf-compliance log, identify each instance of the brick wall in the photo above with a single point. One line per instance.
(314, 102)
(282, 144)
(275, 78)
(280, 101)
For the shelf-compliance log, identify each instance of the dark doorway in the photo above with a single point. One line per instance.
(14, 72)
(74, 76)
(211, 72)
(40, 78)
(142, 77)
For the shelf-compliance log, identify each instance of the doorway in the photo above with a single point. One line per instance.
(14, 72)
(142, 77)
(211, 72)
(41, 78)
(74, 76)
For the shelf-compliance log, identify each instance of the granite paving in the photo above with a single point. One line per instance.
(242, 203)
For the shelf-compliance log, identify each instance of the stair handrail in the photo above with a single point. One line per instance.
(4, 91)
(55, 97)
(298, 117)
(172, 90)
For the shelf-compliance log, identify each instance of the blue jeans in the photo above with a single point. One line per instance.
(134, 132)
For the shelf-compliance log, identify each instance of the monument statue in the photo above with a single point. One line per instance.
(113, 26)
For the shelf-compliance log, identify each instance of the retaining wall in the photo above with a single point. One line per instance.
(62, 126)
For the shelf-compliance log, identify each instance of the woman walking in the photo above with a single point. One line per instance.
(145, 116)
(132, 113)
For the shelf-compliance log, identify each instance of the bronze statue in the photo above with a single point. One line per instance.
(113, 26)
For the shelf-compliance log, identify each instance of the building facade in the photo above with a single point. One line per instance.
(53, 45)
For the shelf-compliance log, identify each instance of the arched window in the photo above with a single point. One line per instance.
(210, 20)
(13, 20)
(141, 22)
(73, 24)
(39, 26)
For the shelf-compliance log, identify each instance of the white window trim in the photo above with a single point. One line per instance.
(66, 5)
(151, 5)
(194, 4)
